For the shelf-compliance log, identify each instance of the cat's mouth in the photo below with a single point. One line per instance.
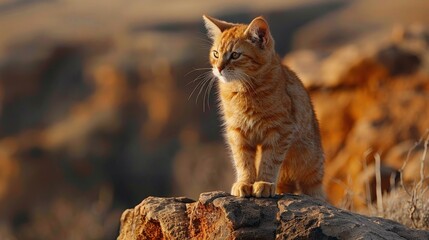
(224, 76)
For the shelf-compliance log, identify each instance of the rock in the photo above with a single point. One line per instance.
(218, 215)
(367, 59)
(360, 93)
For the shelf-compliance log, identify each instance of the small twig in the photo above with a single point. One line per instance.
(367, 187)
(412, 210)
(401, 171)
(352, 194)
(417, 191)
(425, 189)
(422, 163)
(378, 182)
(392, 181)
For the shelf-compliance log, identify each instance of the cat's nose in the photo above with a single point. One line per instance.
(220, 68)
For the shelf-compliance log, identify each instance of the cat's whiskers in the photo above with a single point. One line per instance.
(197, 69)
(205, 83)
(202, 78)
(245, 79)
(207, 93)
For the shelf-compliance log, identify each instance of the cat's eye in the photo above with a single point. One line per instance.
(215, 54)
(235, 55)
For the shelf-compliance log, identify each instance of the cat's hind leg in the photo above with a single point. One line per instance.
(313, 189)
(285, 186)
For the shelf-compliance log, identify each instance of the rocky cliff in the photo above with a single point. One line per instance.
(218, 215)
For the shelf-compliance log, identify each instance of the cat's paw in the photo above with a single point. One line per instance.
(264, 189)
(241, 189)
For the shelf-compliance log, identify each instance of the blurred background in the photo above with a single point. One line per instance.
(95, 115)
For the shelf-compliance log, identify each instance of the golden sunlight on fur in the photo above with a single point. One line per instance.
(269, 119)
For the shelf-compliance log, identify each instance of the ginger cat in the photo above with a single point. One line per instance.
(266, 109)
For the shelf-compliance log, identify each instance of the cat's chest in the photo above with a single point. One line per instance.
(245, 112)
(246, 106)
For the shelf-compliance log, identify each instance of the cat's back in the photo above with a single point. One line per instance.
(302, 106)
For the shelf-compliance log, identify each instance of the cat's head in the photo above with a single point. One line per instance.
(239, 51)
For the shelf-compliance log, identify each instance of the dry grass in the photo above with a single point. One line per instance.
(408, 203)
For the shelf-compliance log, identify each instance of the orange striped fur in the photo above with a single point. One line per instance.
(266, 110)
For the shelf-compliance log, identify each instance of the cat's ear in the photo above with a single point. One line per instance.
(215, 26)
(258, 32)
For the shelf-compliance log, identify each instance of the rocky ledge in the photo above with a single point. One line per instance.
(218, 215)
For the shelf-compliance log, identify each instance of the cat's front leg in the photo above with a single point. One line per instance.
(273, 154)
(244, 161)
(265, 184)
